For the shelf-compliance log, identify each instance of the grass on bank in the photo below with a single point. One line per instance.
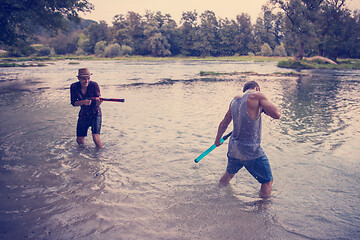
(283, 74)
(12, 64)
(145, 58)
(34, 61)
(318, 64)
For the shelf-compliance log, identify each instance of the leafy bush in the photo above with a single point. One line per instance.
(64, 44)
(20, 50)
(100, 48)
(44, 51)
(113, 50)
(266, 50)
(126, 50)
(80, 52)
(280, 51)
(83, 45)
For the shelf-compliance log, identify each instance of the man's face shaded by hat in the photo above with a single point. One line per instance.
(84, 76)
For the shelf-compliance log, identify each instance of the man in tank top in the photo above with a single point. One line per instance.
(244, 145)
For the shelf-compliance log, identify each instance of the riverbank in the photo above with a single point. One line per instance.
(9, 60)
(283, 62)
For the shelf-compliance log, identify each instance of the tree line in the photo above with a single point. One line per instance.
(284, 28)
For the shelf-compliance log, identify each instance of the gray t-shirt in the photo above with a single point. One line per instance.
(245, 140)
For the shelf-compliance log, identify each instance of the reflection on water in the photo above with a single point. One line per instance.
(317, 112)
(144, 183)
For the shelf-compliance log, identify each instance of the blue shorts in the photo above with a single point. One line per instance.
(84, 124)
(259, 168)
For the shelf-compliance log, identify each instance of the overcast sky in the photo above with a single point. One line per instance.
(107, 9)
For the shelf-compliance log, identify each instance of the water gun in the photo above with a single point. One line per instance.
(211, 148)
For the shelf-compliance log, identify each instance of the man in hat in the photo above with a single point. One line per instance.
(244, 144)
(86, 93)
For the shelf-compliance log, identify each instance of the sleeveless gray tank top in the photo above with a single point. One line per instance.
(245, 140)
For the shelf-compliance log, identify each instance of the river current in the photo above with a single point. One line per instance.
(144, 183)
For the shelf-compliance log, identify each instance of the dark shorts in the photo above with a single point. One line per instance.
(84, 124)
(259, 168)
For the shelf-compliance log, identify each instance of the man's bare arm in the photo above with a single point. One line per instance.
(222, 127)
(269, 108)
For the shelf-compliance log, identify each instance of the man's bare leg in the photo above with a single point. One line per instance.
(265, 190)
(80, 140)
(225, 179)
(97, 140)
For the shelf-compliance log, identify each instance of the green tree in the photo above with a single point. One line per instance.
(20, 18)
(268, 28)
(97, 32)
(235, 35)
(119, 33)
(300, 24)
(323, 27)
(245, 36)
(169, 30)
(337, 30)
(209, 38)
(227, 30)
(350, 46)
(133, 31)
(189, 33)
(157, 43)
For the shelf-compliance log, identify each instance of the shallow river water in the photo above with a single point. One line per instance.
(144, 183)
